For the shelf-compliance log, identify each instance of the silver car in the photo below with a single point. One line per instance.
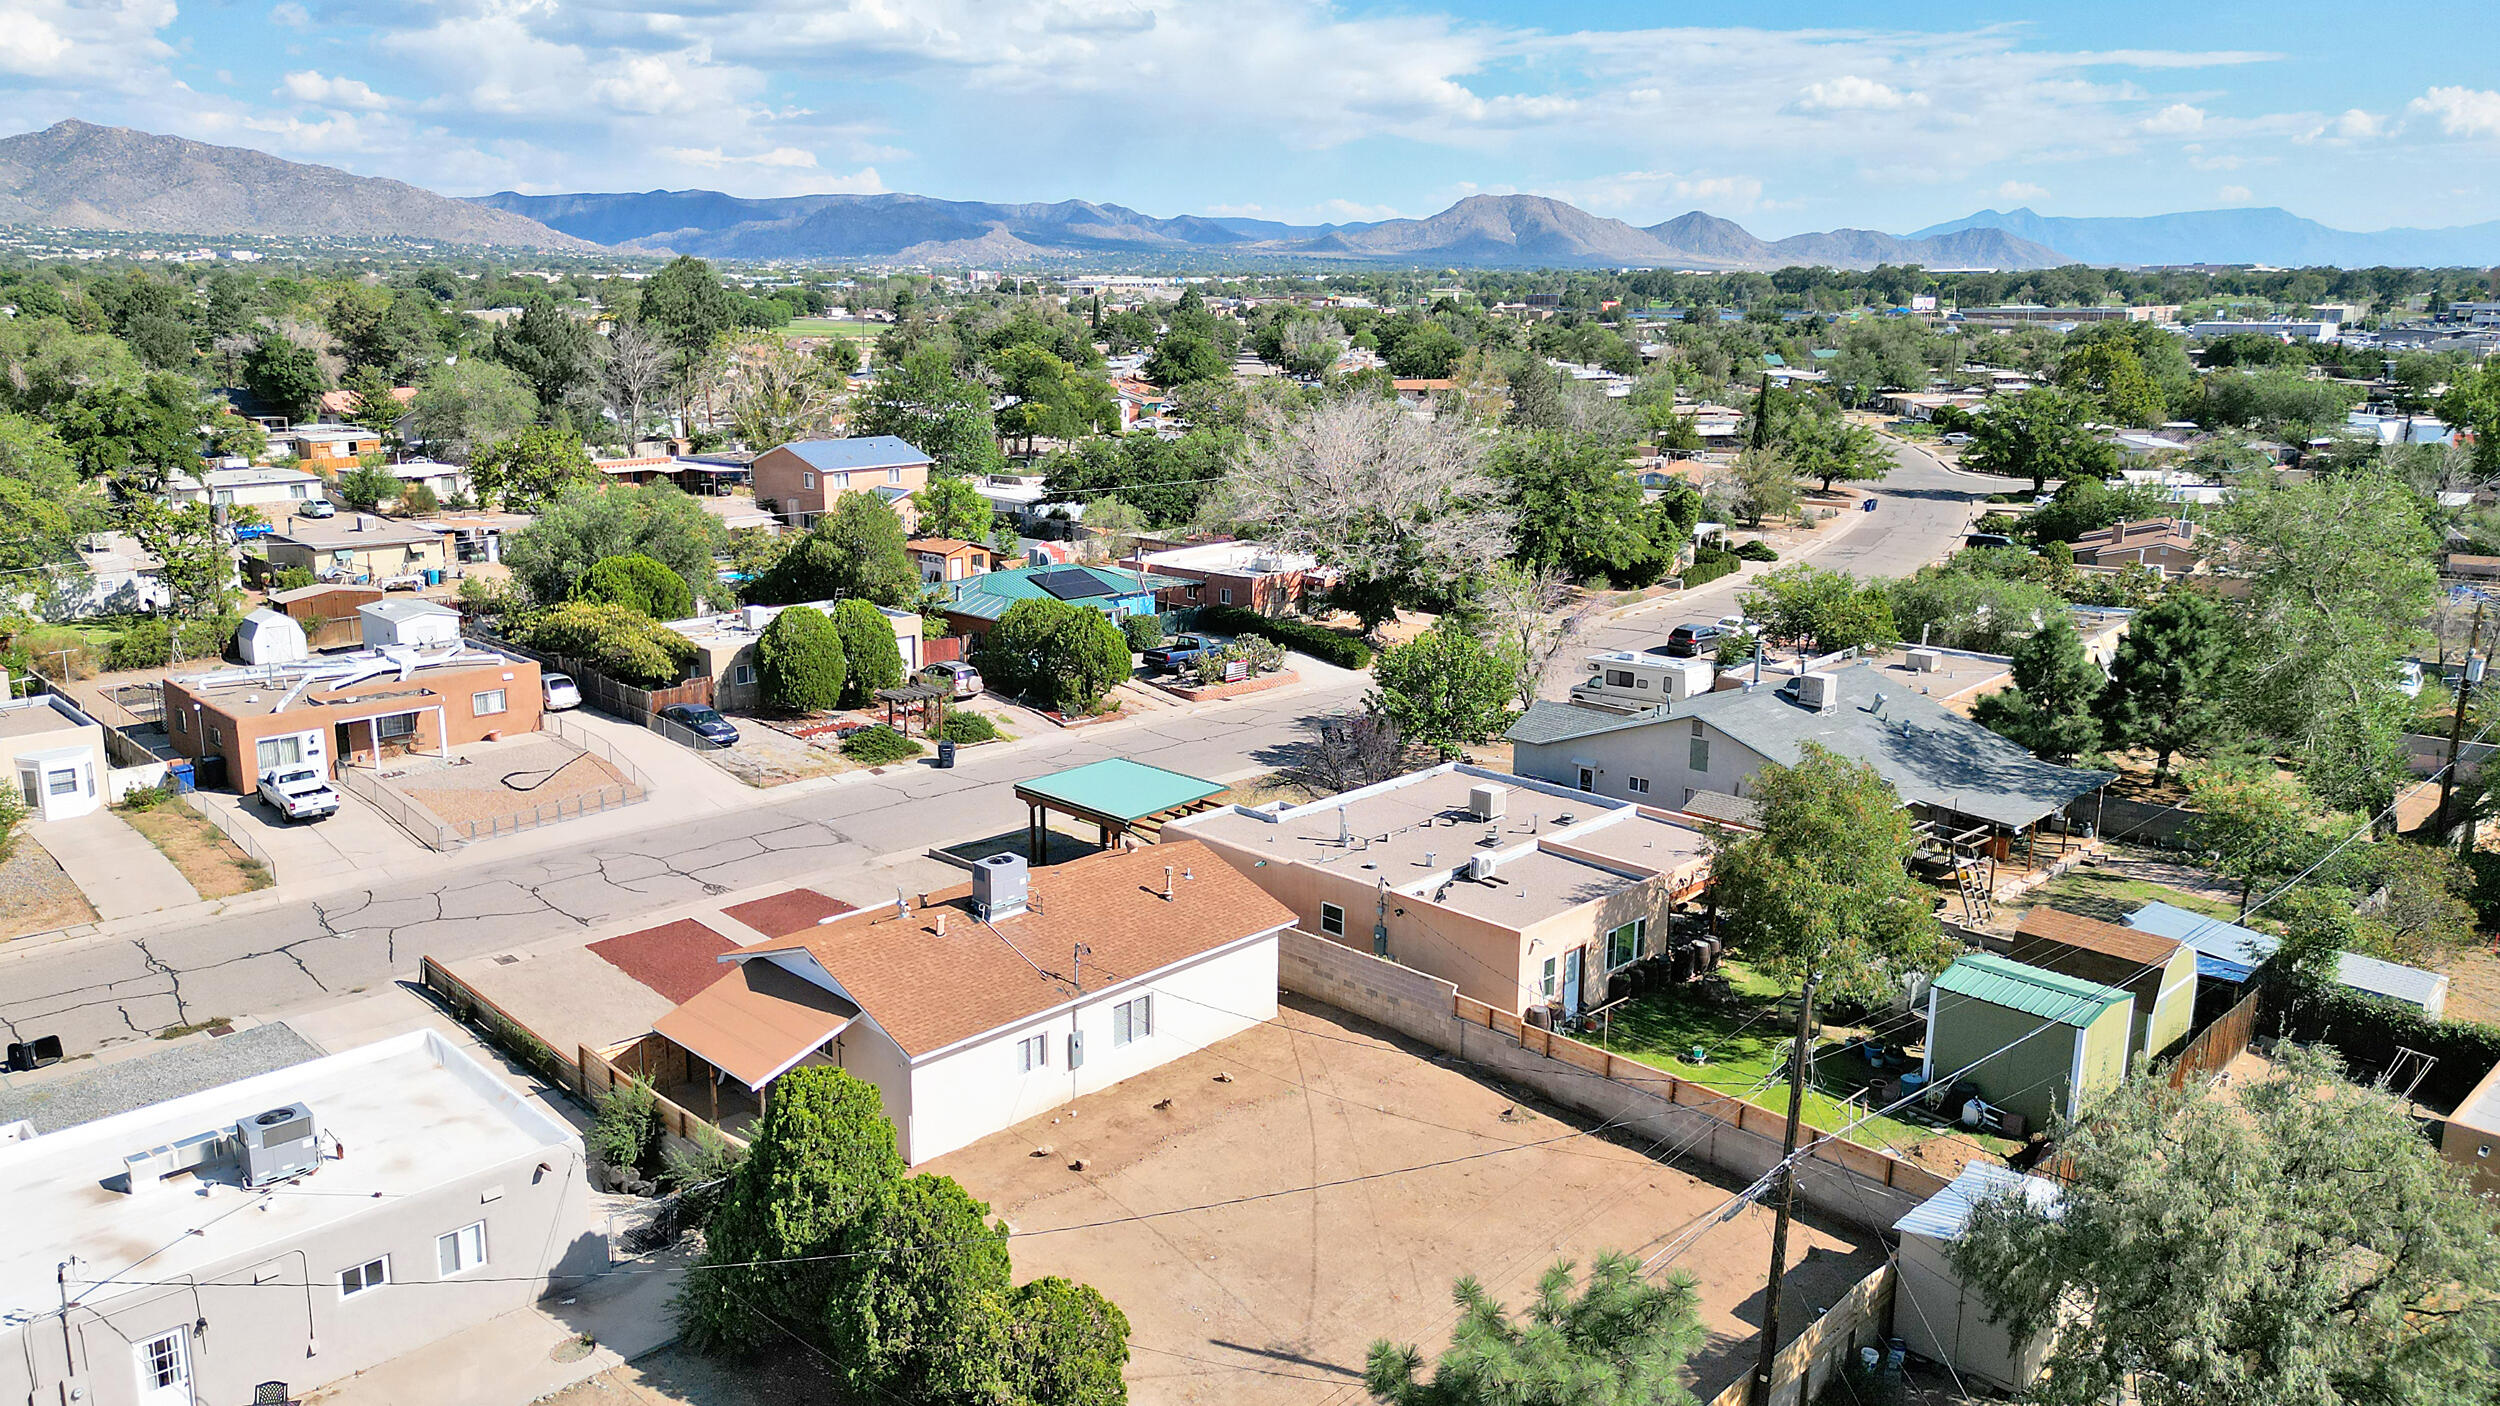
(954, 674)
(558, 692)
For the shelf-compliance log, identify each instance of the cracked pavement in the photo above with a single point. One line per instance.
(312, 951)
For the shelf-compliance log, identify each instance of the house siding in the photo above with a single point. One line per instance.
(1660, 752)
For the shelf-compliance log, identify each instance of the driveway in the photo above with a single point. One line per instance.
(358, 839)
(120, 872)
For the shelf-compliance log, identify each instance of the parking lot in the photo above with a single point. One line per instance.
(1264, 1227)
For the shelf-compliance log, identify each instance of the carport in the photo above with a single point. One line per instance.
(754, 1025)
(1117, 796)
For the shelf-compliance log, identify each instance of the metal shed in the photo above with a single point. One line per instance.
(1936, 1314)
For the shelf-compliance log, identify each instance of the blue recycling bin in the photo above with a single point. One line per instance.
(178, 775)
(433, 576)
(1867, 507)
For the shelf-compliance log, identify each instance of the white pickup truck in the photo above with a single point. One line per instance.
(299, 793)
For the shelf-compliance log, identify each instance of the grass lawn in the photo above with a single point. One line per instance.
(2098, 892)
(1742, 1044)
(215, 866)
(827, 326)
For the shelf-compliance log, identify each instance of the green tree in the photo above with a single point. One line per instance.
(616, 640)
(2038, 434)
(823, 1167)
(1831, 450)
(2113, 376)
(284, 375)
(1010, 656)
(1823, 889)
(1430, 353)
(198, 568)
(1066, 1344)
(1182, 358)
(924, 403)
(551, 349)
(1051, 397)
(922, 1317)
(472, 403)
(140, 438)
(1086, 657)
(1824, 611)
(2319, 1246)
(2089, 504)
(1446, 689)
(2053, 707)
(855, 550)
(47, 506)
(531, 469)
(1955, 607)
(800, 666)
(1760, 484)
(871, 659)
(1578, 510)
(1622, 1340)
(2166, 679)
(638, 583)
(367, 487)
(953, 507)
(2472, 403)
(2257, 823)
(686, 301)
(586, 525)
(1536, 398)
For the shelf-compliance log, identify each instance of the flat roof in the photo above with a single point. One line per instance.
(65, 1096)
(342, 533)
(1241, 558)
(1524, 888)
(1120, 788)
(414, 1110)
(33, 717)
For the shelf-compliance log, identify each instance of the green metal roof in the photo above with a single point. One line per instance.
(988, 595)
(2002, 981)
(1119, 788)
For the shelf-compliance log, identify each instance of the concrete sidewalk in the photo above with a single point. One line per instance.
(115, 866)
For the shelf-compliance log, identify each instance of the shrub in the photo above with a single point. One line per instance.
(1321, 643)
(55, 652)
(13, 812)
(417, 498)
(1757, 551)
(2366, 1031)
(144, 644)
(638, 582)
(625, 1133)
(871, 660)
(1706, 569)
(876, 746)
(614, 640)
(290, 578)
(1011, 652)
(799, 662)
(1144, 632)
(1087, 656)
(967, 727)
(207, 639)
(147, 797)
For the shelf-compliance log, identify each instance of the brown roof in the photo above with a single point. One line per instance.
(790, 911)
(677, 959)
(929, 991)
(2091, 935)
(757, 1021)
(2140, 531)
(942, 546)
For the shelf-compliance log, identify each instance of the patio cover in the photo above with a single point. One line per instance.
(757, 1022)
(1117, 789)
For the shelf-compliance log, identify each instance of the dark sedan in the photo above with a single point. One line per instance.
(705, 723)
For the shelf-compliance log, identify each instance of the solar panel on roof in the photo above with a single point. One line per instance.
(1069, 583)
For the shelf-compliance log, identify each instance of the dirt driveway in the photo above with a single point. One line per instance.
(1264, 1289)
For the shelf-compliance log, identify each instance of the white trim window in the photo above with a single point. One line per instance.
(1032, 1052)
(1133, 1020)
(807, 480)
(1332, 920)
(393, 727)
(741, 675)
(1637, 785)
(1624, 944)
(1545, 983)
(461, 1251)
(364, 1278)
(164, 1363)
(486, 703)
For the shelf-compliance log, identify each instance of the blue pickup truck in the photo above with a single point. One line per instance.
(1176, 653)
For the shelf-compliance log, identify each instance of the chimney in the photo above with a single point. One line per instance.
(941, 922)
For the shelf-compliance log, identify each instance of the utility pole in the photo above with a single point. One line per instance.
(2456, 728)
(1787, 1194)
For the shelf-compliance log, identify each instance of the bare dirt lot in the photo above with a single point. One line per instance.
(1261, 1231)
(213, 864)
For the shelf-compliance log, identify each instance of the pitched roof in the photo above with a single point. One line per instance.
(988, 595)
(2091, 935)
(929, 990)
(1945, 1215)
(2231, 953)
(878, 451)
(1726, 809)
(2035, 991)
(756, 1021)
(1550, 721)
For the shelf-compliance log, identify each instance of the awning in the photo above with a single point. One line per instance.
(757, 1022)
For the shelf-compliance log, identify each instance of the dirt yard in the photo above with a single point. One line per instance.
(518, 775)
(1264, 1209)
(35, 896)
(214, 865)
(676, 1376)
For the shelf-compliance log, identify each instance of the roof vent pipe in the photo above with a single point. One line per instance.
(1167, 883)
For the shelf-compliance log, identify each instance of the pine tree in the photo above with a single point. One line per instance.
(1762, 415)
(2051, 707)
(2164, 680)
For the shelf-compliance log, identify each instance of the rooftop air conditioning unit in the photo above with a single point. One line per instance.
(1000, 884)
(281, 1143)
(1924, 661)
(1819, 690)
(1485, 802)
(1482, 866)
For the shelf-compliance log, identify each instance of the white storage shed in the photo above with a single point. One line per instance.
(1942, 1318)
(421, 623)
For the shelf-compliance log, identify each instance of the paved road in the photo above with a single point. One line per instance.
(306, 953)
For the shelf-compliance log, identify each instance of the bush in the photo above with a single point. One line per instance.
(144, 644)
(147, 797)
(625, 1133)
(799, 662)
(1707, 569)
(1144, 632)
(13, 813)
(2367, 1030)
(207, 639)
(290, 578)
(614, 640)
(879, 745)
(1757, 551)
(1321, 643)
(871, 660)
(638, 582)
(967, 727)
(1086, 658)
(417, 498)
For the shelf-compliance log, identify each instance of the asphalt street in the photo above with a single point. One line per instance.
(312, 952)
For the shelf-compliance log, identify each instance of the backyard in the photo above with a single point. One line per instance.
(2127, 878)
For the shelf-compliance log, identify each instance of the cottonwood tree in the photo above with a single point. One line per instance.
(463, 407)
(927, 405)
(587, 525)
(1825, 611)
(1403, 507)
(2053, 707)
(1622, 1339)
(2038, 434)
(2166, 679)
(778, 395)
(531, 469)
(633, 371)
(1445, 689)
(2290, 1242)
(1831, 450)
(1523, 610)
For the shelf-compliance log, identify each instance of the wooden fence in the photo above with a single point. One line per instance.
(600, 1074)
(1809, 1361)
(634, 705)
(2219, 1043)
(498, 1025)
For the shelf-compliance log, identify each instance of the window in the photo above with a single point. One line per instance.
(395, 726)
(807, 480)
(1588, 778)
(1699, 758)
(1623, 945)
(1545, 981)
(61, 783)
(370, 1275)
(1132, 1020)
(216, 735)
(463, 1249)
(1032, 1052)
(165, 1365)
(487, 703)
(742, 675)
(894, 475)
(180, 725)
(1637, 785)
(1224, 595)
(276, 752)
(1619, 678)
(1332, 920)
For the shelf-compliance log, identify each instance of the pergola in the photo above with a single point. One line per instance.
(1119, 796)
(921, 698)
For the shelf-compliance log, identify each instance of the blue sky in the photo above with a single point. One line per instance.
(1883, 116)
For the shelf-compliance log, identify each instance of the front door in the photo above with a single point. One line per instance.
(165, 1370)
(1571, 984)
(1588, 778)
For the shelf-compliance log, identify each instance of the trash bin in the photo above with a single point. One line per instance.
(209, 772)
(946, 754)
(434, 574)
(1867, 507)
(178, 774)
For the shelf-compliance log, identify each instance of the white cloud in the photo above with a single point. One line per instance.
(2020, 191)
(787, 157)
(2355, 125)
(2176, 120)
(2460, 112)
(2233, 195)
(1854, 94)
(289, 15)
(311, 86)
(114, 42)
(1343, 211)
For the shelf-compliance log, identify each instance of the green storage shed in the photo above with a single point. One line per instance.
(2033, 1042)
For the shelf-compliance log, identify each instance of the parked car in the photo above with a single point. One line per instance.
(558, 692)
(318, 507)
(1987, 539)
(954, 674)
(1693, 640)
(1736, 624)
(1957, 437)
(703, 722)
(299, 793)
(1176, 653)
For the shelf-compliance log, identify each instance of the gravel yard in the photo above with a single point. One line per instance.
(35, 896)
(492, 779)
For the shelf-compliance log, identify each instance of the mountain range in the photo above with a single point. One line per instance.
(80, 176)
